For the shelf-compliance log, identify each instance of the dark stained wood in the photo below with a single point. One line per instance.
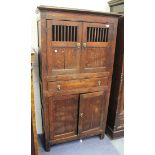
(95, 55)
(77, 84)
(63, 55)
(115, 123)
(63, 121)
(78, 76)
(76, 56)
(91, 113)
(63, 9)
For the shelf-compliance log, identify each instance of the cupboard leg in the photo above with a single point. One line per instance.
(102, 136)
(47, 147)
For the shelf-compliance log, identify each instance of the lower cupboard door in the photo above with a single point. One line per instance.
(63, 113)
(91, 113)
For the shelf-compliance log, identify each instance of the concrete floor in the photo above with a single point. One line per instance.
(118, 144)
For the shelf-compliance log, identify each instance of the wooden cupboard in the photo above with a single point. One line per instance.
(76, 55)
(115, 119)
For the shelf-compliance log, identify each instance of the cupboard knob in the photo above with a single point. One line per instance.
(81, 115)
(84, 45)
(78, 45)
(58, 87)
(99, 82)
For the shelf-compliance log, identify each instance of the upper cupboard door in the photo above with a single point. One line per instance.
(63, 46)
(97, 47)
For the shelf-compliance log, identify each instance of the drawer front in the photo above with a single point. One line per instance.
(77, 85)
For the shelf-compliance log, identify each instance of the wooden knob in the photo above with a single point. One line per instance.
(99, 82)
(58, 87)
(78, 45)
(81, 115)
(84, 45)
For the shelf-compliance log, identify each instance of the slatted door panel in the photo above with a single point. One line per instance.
(96, 48)
(63, 54)
(63, 116)
(91, 113)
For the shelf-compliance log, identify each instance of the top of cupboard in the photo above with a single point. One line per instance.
(73, 10)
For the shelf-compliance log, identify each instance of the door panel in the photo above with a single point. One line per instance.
(63, 46)
(96, 58)
(63, 116)
(91, 113)
(56, 59)
(72, 58)
(96, 53)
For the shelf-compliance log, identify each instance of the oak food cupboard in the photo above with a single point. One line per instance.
(76, 55)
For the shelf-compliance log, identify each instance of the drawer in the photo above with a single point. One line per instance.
(77, 85)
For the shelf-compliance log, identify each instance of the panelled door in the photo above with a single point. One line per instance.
(96, 52)
(91, 112)
(74, 47)
(63, 46)
(63, 115)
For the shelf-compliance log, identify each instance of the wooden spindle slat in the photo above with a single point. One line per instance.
(75, 33)
(55, 33)
(67, 33)
(102, 35)
(105, 36)
(88, 34)
(61, 33)
(64, 33)
(97, 34)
